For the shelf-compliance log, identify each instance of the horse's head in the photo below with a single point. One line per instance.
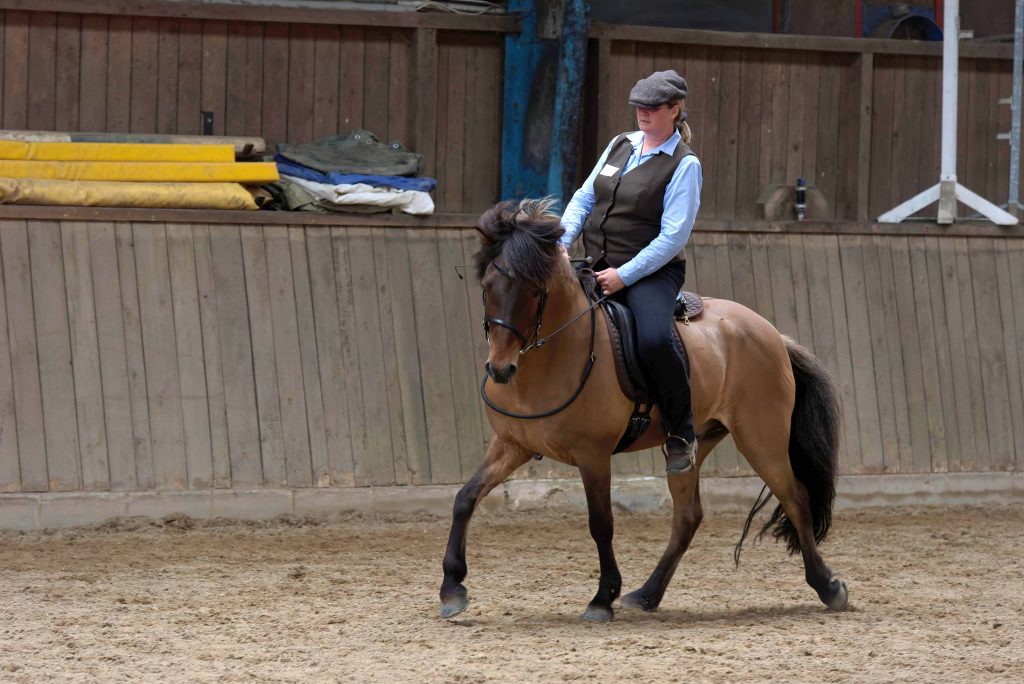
(518, 256)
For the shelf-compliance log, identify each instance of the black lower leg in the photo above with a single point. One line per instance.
(453, 593)
(687, 516)
(501, 460)
(598, 489)
(816, 572)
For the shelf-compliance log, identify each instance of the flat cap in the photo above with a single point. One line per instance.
(658, 88)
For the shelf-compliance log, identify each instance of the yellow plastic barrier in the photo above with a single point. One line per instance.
(112, 194)
(133, 152)
(159, 172)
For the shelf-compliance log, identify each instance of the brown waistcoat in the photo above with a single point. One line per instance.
(627, 209)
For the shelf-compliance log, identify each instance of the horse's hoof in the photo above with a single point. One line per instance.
(598, 614)
(457, 602)
(839, 598)
(639, 600)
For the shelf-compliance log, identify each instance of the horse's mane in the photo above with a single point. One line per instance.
(525, 233)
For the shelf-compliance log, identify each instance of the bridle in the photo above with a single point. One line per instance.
(526, 341)
(534, 341)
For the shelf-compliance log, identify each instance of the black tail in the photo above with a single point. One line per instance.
(813, 450)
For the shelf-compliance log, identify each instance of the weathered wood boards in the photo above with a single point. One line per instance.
(168, 356)
(152, 79)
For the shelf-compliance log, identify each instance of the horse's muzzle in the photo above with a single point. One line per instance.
(501, 375)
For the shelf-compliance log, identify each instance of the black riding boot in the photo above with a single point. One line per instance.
(652, 301)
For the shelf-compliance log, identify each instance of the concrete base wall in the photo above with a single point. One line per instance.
(721, 494)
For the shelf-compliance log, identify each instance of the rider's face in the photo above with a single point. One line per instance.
(657, 121)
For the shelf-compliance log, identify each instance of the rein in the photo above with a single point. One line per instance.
(540, 342)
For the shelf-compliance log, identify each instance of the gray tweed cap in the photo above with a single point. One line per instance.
(659, 87)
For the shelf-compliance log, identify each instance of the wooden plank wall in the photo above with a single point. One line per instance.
(758, 117)
(188, 356)
(769, 116)
(862, 127)
(285, 82)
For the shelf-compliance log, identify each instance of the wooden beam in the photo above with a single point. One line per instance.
(231, 217)
(469, 221)
(424, 99)
(604, 94)
(270, 13)
(865, 65)
(656, 34)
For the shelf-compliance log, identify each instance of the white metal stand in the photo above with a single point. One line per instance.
(948, 191)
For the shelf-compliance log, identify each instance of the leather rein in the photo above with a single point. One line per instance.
(534, 341)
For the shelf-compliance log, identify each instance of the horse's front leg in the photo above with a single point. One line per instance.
(500, 462)
(597, 482)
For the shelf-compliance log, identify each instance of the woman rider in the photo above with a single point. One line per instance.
(636, 211)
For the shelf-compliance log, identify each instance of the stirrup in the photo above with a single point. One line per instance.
(680, 455)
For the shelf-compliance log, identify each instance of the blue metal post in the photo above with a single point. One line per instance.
(521, 176)
(565, 130)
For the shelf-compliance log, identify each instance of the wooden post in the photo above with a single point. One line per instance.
(424, 98)
(604, 84)
(865, 64)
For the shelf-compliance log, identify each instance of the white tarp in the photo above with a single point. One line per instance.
(339, 196)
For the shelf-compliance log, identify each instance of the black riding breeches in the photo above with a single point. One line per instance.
(652, 301)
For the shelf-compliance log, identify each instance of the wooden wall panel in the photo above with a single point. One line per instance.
(284, 82)
(213, 362)
(171, 356)
(188, 329)
(16, 69)
(142, 435)
(288, 358)
(85, 356)
(335, 377)
(236, 352)
(145, 75)
(160, 352)
(468, 120)
(24, 355)
(10, 471)
(54, 343)
(762, 117)
(759, 116)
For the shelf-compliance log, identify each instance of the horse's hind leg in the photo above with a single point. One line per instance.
(686, 518)
(500, 462)
(772, 463)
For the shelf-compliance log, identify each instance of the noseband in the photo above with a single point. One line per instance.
(538, 341)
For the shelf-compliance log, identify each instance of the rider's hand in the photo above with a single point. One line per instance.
(610, 281)
(565, 252)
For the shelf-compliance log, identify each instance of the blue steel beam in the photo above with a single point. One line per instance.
(565, 129)
(542, 103)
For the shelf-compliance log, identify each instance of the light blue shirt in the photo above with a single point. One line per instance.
(682, 199)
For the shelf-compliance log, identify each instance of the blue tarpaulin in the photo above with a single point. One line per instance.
(288, 168)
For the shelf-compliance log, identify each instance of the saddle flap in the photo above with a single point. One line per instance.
(622, 331)
(688, 305)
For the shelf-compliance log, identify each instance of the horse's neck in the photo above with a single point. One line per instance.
(562, 357)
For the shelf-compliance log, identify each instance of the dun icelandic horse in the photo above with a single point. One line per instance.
(559, 396)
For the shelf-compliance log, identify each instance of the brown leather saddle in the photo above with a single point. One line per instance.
(632, 378)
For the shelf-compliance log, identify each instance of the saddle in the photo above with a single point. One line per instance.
(632, 379)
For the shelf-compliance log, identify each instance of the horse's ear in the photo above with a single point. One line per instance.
(488, 224)
(484, 237)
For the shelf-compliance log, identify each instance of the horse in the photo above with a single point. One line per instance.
(551, 396)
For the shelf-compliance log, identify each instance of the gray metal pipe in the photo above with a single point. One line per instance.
(1018, 58)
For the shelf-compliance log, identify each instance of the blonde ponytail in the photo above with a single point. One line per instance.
(681, 125)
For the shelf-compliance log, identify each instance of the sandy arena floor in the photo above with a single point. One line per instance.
(936, 595)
